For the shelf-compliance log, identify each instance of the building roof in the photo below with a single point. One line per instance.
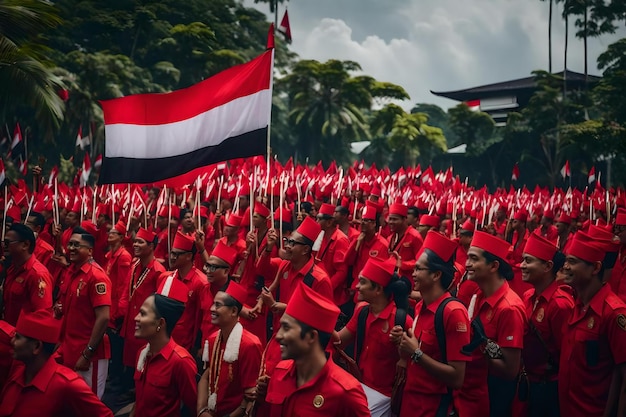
(519, 86)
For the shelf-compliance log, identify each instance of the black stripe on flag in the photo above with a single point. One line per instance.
(143, 171)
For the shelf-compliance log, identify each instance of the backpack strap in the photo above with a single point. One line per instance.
(360, 332)
(309, 279)
(440, 331)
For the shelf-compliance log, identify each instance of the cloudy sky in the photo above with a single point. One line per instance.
(438, 45)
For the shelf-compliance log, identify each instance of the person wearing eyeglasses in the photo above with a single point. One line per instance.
(28, 284)
(182, 268)
(229, 381)
(85, 304)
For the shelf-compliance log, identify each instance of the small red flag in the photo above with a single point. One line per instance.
(284, 27)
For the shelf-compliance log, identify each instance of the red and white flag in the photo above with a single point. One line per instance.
(153, 137)
(54, 174)
(98, 162)
(82, 141)
(591, 177)
(85, 171)
(474, 105)
(17, 143)
(284, 27)
(565, 172)
(3, 173)
(515, 173)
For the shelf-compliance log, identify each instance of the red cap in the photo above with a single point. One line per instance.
(376, 190)
(313, 309)
(620, 220)
(564, 218)
(379, 271)
(468, 226)
(237, 291)
(492, 244)
(582, 247)
(398, 210)
(548, 214)
(204, 212)
(369, 213)
(521, 216)
(234, 220)
(287, 216)
(226, 253)
(174, 289)
(183, 242)
(601, 238)
(600, 232)
(441, 245)
(145, 235)
(261, 210)
(327, 210)
(76, 208)
(309, 228)
(15, 213)
(428, 220)
(39, 325)
(165, 212)
(90, 227)
(540, 247)
(120, 227)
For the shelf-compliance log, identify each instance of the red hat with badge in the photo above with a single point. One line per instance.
(183, 242)
(492, 244)
(237, 291)
(312, 309)
(174, 289)
(379, 271)
(443, 247)
(540, 247)
(226, 253)
(39, 325)
(309, 228)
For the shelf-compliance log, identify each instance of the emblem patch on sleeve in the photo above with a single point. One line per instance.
(621, 321)
(101, 288)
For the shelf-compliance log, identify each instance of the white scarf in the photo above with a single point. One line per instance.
(231, 354)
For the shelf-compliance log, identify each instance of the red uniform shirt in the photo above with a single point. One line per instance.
(551, 233)
(593, 346)
(618, 275)
(373, 248)
(233, 378)
(82, 290)
(206, 327)
(28, 287)
(422, 392)
(188, 325)
(503, 316)
(407, 246)
(331, 259)
(6, 351)
(54, 391)
(118, 270)
(168, 378)
(515, 259)
(43, 251)
(332, 392)
(378, 354)
(143, 283)
(548, 312)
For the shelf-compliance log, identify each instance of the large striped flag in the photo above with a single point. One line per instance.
(153, 137)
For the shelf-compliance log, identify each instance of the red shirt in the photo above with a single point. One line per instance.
(422, 391)
(206, 327)
(235, 377)
(83, 289)
(515, 259)
(503, 316)
(551, 233)
(378, 354)
(118, 270)
(332, 392)
(331, 259)
(28, 287)
(188, 325)
(373, 248)
(168, 377)
(407, 246)
(618, 275)
(548, 312)
(593, 347)
(143, 283)
(54, 391)
(43, 251)
(6, 351)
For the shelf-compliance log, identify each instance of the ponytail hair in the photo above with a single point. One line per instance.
(400, 288)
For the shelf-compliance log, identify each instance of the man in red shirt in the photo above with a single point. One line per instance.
(490, 378)
(426, 223)
(230, 378)
(231, 238)
(369, 245)
(618, 276)
(118, 270)
(38, 386)
(181, 263)
(305, 383)
(167, 224)
(332, 252)
(404, 241)
(84, 304)
(592, 371)
(548, 306)
(547, 228)
(517, 234)
(565, 235)
(342, 218)
(28, 285)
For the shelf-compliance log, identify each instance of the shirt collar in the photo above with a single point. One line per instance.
(549, 291)
(167, 350)
(597, 301)
(494, 298)
(432, 307)
(43, 377)
(306, 268)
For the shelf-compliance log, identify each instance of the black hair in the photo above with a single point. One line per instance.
(307, 241)
(169, 309)
(286, 226)
(48, 348)
(343, 210)
(39, 219)
(558, 260)
(231, 302)
(85, 236)
(435, 263)
(609, 259)
(400, 288)
(504, 269)
(413, 210)
(322, 337)
(306, 206)
(25, 234)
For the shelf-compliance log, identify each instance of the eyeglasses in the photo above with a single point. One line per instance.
(7, 242)
(72, 244)
(214, 267)
(292, 242)
(177, 254)
(420, 268)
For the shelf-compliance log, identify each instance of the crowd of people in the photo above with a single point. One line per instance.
(313, 293)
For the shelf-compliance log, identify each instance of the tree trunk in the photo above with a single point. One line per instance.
(550, 38)
(585, 44)
(565, 51)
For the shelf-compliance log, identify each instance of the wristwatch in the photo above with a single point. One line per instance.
(417, 355)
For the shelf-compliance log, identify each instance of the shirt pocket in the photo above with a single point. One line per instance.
(590, 346)
(18, 288)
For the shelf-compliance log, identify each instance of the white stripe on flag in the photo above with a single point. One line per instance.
(167, 286)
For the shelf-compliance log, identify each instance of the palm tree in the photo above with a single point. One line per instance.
(25, 73)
